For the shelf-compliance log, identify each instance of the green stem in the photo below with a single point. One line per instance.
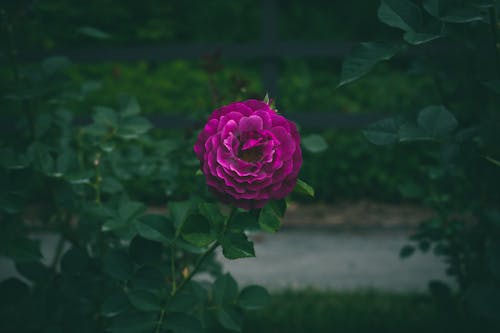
(98, 178)
(172, 269)
(197, 265)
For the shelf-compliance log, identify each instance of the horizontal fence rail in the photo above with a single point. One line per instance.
(192, 51)
(309, 121)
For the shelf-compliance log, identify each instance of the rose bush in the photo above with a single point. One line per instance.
(249, 154)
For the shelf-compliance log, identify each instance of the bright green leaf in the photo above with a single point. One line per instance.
(268, 220)
(236, 245)
(303, 188)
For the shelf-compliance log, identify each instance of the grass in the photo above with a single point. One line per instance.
(355, 311)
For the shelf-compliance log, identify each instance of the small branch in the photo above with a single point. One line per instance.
(172, 269)
(98, 178)
(197, 266)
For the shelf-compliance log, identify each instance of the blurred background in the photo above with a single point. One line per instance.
(337, 257)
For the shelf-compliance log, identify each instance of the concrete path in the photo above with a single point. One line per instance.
(299, 258)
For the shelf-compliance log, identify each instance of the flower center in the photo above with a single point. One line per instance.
(251, 154)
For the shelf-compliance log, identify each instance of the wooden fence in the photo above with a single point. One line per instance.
(269, 49)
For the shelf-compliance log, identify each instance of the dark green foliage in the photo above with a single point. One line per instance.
(359, 311)
(459, 141)
(117, 267)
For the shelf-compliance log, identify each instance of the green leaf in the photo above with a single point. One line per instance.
(105, 116)
(134, 322)
(382, 132)
(132, 128)
(53, 65)
(182, 323)
(130, 210)
(236, 245)
(156, 228)
(34, 271)
(179, 211)
(279, 206)
(453, 11)
(144, 300)
(303, 188)
(418, 38)
(363, 57)
(196, 230)
(402, 14)
(90, 86)
(148, 278)
(437, 121)
(111, 185)
(230, 318)
(406, 251)
(225, 290)
(314, 143)
(41, 157)
(268, 220)
(130, 106)
(117, 264)
(212, 213)
(75, 260)
(21, 249)
(412, 132)
(145, 251)
(93, 32)
(244, 220)
(254, 298)
(114, 304)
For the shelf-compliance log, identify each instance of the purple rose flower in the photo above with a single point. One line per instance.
(249, 154)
